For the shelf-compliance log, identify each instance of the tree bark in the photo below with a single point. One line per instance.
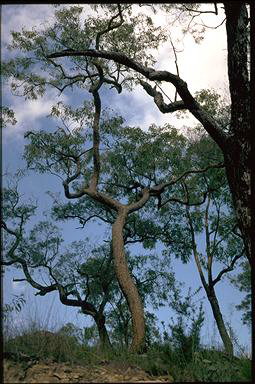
(105, 343)
(238, 150)
(126, 282)
(228, 345)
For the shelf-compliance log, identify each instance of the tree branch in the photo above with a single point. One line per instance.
(228, 269)
(209, 123)
(159, 101)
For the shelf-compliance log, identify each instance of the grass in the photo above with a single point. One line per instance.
(205, 365)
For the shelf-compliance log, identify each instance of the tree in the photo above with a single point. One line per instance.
(236, 142)
(40, 250)
(118, 31)
(212, 218)
(175, 225)
(84, 279)
(64, 153)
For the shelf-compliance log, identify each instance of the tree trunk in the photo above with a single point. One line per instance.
(102, 331)
(239, 179)
(220, 322)
(127, 284)
(237, 153)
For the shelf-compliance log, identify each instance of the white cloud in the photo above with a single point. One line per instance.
(16, 16)
(19, 286)
(29, 113)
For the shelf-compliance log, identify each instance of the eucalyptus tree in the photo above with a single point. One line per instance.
(208, 228)
(113, 176)
(198, 204)
(83, 67)
(235, 141)
(48, 267)
(83, 277)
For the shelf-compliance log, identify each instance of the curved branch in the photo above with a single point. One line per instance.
(208, 121)
(159, 101)
(228, 269)
(155, 191)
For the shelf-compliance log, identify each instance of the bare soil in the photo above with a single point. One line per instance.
(34, 371)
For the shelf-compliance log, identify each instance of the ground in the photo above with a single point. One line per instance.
(34, 371)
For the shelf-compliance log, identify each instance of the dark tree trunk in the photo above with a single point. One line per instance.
(102, 331)
(237, 151)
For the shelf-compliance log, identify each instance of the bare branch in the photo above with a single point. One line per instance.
(159, 101)
(160, 188)
(176, 65)
(110, 26)
(228, 269)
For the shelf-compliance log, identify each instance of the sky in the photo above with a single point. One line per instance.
(201, 66)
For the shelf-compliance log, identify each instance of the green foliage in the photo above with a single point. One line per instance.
(184, 337)
(7, 117)
(71, 331)
(104, 27)
(243, 281)
(14, 208)
(44, 345)
(15, 306)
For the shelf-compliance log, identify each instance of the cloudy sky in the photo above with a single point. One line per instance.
(200, 65)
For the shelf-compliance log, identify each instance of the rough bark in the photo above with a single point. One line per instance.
(237, 154)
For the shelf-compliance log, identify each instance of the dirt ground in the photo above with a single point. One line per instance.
(29, 371)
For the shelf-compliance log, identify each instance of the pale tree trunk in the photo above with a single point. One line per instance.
(209, 287)
(228, 345)
(127, 284)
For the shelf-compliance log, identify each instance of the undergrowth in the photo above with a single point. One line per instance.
(179, 358)
(206, 365)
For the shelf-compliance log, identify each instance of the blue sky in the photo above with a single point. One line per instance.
(202, 66)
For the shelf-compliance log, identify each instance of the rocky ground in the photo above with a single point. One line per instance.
(26, 370)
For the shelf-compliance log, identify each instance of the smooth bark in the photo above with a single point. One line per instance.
(228, 345)
(127, 284)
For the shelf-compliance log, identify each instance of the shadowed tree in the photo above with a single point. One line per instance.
(175, 225)
(40, 254)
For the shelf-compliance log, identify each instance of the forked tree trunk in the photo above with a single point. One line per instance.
(127, 284)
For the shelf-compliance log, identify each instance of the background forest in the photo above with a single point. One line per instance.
(106, 197)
